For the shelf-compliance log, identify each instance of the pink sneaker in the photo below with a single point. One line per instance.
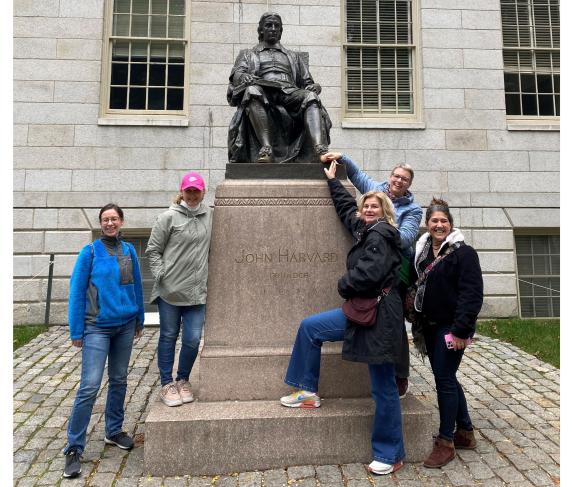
(185, 392)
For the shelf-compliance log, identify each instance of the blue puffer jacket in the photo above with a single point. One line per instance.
(407, 212)
(105, 288)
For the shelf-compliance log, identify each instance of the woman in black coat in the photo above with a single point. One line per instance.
(372, 269)
(448, 300)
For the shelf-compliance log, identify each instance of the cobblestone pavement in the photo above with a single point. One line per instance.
(513, 399)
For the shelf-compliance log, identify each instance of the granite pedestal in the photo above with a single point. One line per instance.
(277, 252)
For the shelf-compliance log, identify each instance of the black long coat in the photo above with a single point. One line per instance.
(372, 264)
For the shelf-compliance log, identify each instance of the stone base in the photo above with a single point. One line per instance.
(212, 438)
(227, 373)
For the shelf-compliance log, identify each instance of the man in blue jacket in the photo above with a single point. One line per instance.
(408, 214)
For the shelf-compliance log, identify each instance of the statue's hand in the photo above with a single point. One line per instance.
(248, 78)
(316, 88)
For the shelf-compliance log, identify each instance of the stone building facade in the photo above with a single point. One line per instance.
(72, 154)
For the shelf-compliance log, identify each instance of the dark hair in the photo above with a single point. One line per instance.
(263, 19)
(438, 205)
(111, 206)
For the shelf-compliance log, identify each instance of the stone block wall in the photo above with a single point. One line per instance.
(66, 165)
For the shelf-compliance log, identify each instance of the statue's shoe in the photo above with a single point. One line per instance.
(265, 154)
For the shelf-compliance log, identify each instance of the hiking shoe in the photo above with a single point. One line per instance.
(170, 395)
(402, 386)
(185, 392)
(443, 452)
(73, 465)
(301, 399)
(121, 439)
(465, 439)
(380, 468)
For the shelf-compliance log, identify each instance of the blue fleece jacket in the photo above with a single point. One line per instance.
(407, 212)
(105, 288)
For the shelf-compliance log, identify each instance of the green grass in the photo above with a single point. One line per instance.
(537, 337)
(23, 334)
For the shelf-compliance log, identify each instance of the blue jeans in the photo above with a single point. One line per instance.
(101, 343)
(304, 373)
(450, 396)
(170, 317)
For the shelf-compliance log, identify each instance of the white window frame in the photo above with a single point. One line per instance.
(521, 276)
(387, 120)
(531, 122)
(109, 116)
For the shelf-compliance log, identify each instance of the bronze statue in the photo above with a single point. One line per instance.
(280, 117)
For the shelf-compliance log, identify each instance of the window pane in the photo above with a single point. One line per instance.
(118, 74)
(118, 98)
(122, 6)
(544, 82)
(137, 98)
(157, 75)
(557, 103)
(156, 99)
(138, 74)
(177, 7)
(511, 82)
(529, 105)
(159, 6)
(158, 51)
(139, 52)
(556, 83)
(158, 26)
(140, 6)
(527, 83)
(139, 26)
(545, 105)
(176, 75)
(176, 27)
(174, 99)
(176, 53)
(120, 25)
(120, 51)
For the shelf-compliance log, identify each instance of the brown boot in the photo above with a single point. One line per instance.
(465, 440)
(443, 452)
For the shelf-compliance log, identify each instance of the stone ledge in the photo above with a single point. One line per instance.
(213, 438)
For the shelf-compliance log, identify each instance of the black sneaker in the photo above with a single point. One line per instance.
(73, 465)
(122, 440)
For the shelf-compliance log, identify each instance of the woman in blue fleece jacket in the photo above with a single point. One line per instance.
(105, 314)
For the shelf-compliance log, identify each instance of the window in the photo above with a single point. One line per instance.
(538, 265)
(146, 58)
(531, 52)
(380, 58)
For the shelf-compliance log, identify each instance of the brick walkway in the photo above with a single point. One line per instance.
(513, 399)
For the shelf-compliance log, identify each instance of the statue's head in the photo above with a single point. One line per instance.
(266, 24)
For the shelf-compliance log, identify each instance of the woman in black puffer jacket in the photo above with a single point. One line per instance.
(372, 269)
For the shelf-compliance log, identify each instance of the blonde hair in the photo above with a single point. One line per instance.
(384, 202)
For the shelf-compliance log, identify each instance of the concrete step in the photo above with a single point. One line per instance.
(209, 438)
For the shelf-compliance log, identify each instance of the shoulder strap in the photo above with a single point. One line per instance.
(438, 259)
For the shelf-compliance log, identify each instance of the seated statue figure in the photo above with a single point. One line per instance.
(280, 117)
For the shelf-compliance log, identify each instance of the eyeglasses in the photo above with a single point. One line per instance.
(110, 220)
(402, 178)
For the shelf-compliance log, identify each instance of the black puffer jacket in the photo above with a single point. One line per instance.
(372, 264)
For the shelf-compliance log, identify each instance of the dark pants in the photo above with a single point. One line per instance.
(402, 362)
(450, 396)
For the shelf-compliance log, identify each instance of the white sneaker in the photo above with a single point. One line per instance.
(170, 395)
(380, 468)
(185, 392)
(301, 399)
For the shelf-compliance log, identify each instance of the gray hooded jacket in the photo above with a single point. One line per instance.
(178, 252)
